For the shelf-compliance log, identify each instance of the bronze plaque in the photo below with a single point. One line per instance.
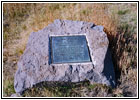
(69, 49)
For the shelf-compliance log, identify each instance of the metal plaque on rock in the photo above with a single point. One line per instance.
(69, 49)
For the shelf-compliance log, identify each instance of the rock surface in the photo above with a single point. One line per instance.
(16, 95)
(34, 67)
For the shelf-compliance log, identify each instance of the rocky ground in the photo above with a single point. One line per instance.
(120, 24)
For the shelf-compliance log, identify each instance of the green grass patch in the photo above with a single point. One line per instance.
(92, 86)
(122, 12)
(5, 36)
(8, 87)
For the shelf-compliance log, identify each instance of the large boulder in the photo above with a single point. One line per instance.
(34, 67)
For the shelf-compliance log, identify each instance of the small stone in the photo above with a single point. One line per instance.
(16, 95)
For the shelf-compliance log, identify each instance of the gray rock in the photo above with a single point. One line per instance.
(16, 95)
(34, 67)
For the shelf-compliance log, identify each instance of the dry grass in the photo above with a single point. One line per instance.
(119, 21)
